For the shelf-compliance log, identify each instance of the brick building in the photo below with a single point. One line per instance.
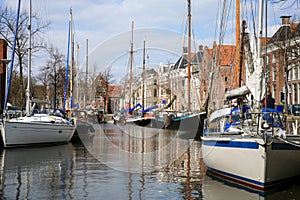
(282, 62)
(3, 63)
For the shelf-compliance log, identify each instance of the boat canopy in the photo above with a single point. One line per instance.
(238, 92)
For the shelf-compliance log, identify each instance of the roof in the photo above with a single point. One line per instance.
(196, 58)
(286, 32)
(227, 54)
(115, 90)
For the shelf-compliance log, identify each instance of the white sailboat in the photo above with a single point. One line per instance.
(250, 146)
(35, 129)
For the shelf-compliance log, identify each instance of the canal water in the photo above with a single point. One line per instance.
(121, 162)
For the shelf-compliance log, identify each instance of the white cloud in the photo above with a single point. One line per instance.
(105, 20)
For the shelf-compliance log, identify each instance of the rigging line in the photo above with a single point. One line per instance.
(217, 17)
(274, 16)
(183, 27)
(253, 24)
(222, 24)
(288, 142)
(12, 56)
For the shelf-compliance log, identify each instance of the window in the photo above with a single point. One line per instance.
(155, 82)
(294, 52)
(155, 93)
(274, 58)
(295, 93)
(268, 59)
(289, 55)
(298, 93)
(290, 73)
(274, 73)
(294, 71)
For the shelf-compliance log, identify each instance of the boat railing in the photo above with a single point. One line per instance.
(251, 122)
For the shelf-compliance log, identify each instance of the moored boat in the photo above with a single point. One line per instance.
(34, 129)
(252, 152)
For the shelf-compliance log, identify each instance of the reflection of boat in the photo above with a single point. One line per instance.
(216, 188)
(35, 129)
(24, 171)
(82, 123)
(247, 144)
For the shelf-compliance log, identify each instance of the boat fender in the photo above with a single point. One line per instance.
(265, 125)
(52, 119)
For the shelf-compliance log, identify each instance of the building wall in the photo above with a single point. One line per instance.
(3, 55)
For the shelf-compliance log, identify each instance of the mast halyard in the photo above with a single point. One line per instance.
(28, 101)
(189, 55)
(130, 67)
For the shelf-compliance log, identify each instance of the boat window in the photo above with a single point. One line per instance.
(235, 117)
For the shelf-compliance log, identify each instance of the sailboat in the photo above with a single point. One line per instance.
(34, 129)
(247, 144)
(140, 119)
(189, 121)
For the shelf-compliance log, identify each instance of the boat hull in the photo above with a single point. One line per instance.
(249, 162)
(27, 134)
(139, 121)
(187, 123)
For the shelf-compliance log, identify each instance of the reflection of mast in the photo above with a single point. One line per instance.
(130, 67)
(189, 55)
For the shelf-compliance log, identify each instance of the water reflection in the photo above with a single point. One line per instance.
(25, 171)
(214, 188)
(135, 149)
(120, 163)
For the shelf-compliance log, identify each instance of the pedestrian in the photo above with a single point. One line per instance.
(268, 101)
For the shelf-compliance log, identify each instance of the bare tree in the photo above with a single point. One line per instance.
(52, 75)
(8, 19)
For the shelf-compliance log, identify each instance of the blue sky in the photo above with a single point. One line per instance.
(107, 26)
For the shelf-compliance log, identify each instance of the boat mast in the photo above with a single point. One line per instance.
(237, 40)
(130, 67)
(29, 63)
(72, 60)
(189, 55)
(143, 76)
(86, 73)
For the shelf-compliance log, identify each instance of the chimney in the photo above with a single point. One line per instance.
(200, 48)
(285, 20)
(185, 50)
